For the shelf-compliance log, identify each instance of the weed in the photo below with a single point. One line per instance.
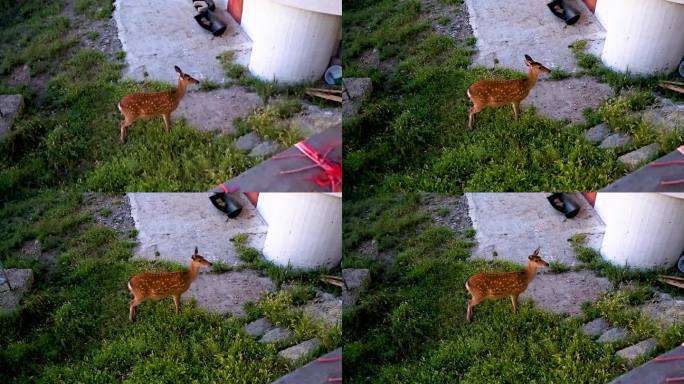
(559, 74)
(443, 212)
(105, 212)
(208, 85)
(92, 35)
(271, 123)
(120, 55)
(133, 233)
(558, 267)
(219, 267)
(471, 41)
(443, 20)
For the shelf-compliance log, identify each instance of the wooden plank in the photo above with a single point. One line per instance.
(324, 95)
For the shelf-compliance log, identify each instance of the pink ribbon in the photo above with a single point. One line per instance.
(332, 171)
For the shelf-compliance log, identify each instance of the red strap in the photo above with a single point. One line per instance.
(332, 171)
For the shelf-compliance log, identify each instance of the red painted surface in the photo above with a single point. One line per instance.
(235, 9)
(590, 197)
(253, 197)
(591, 4)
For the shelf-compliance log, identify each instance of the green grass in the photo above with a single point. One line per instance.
(409, 326)
(271, 123)
(412, 133)
(443, 20)
(208, 85)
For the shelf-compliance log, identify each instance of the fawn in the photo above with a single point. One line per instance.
(161, 285)
(151, 104)
(495, 93)
(495, 285)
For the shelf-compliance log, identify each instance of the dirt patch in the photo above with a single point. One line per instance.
(564, 293)
(112, 211)
(99, 35)
(447, 19)
(447, 210)
(566, 99)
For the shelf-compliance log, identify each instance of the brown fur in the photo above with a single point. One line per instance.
(151, 104)
(161, 285)
(495, 93)
(496, 285)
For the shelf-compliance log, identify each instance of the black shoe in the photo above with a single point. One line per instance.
(209, 22)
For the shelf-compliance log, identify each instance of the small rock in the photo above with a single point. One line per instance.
(326, 308)
(265, 148)
(258, 327)
(640, 155)
(358, 89)
(636, 350)
(370, 58)
(294, 353)
(10, 107)
(616, 140)
(21, 281)
(666, 116)
(595, 327)
(664, 309)
(597, 133)
(612, 335)
(276, 334)
(356, 280)
(247, 142)
(313, 119)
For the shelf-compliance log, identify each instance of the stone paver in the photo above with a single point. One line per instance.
(664, 309)
(247, 142)
(10, 106)
(298, 351)
(616, 140)
(276, 334)
(215, 110)
(227, 293)
(265, 148)
(564, 293)
(313, 119)
(359, 88)
(636, 157)
(665, 115)
(258, 327)
(21, 281)
(356, 280)
(595, 327)
(326, 308)
(634, 351)
(597, 134)
(612, 335)
(566, 99)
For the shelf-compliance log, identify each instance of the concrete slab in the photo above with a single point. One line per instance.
(566, 99)
(21, 281)
(564, 293)
(509, 226)
(172, 224)
(317, 371)
(158, 34)
(507, 30)
(228, 292)
(215, 110)
(653, 371)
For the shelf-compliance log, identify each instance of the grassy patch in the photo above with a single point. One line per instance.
(271, 123)
(559, 74)
(443, 20)
(208, 85)
(410, 327)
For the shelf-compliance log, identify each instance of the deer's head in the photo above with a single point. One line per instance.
(535, 65)
(536, 260)
(200, 261)
(185, 77)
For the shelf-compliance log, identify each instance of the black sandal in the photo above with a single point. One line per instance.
(206, 19)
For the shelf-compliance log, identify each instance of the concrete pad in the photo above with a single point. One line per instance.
(566, 99)
(507, 30)
(564, 293)
(172, 224)
(215, 110)
(228, 292)
(158, 34)
(10, 106)
(21, 281)
(509, 226)
(316, 372)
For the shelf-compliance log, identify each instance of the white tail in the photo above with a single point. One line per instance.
(495, 93)
(150, 104)
(161, 285)
(495, 285)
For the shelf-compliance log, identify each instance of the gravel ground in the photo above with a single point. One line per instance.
(112, 211)
(458, 24)
(447, 210)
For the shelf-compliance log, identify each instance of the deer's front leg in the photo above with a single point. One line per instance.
(176, 301)
(167, 117)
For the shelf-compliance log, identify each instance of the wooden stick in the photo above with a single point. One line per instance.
(327, 90)
(323, 95)
(673, 85)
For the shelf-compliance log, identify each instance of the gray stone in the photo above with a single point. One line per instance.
(326, 308)
(564, 293)
(258, 327)
(265, 148)
(613, 335)
(665, 116)
(636, 157)
(10, 107)
(636, 350)
(21, 281)
(358, 89)
(595, 327)
(356, 280)
(664, 309)
(616, 140)
(216, 110)
(227, 293)
(157, 38)
(370, 58)
(566, 99)
(170, 225)
(276, 334)
(247, 142)
(313, 119)
(597, 134)
(296, 352)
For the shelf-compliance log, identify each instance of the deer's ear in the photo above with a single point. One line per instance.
(530, 257)
(536, 252)
(528, 60)
(196, 253)
(178, 70)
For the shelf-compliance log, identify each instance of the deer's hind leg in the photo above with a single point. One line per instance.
(132, 309)
(176, 302)
(125, 123)
(471, 116)
(516, 109)
(514, 301)
(167, 118)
